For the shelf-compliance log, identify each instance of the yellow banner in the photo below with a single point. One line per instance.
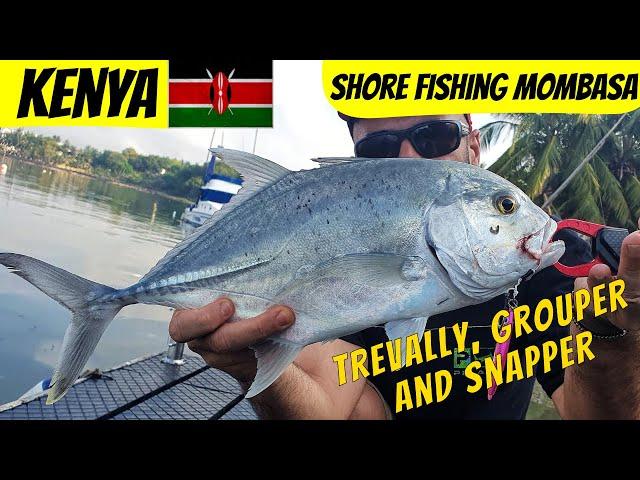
(395, 88)
(98, 93)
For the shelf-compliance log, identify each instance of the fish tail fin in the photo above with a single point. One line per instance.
(88, 302)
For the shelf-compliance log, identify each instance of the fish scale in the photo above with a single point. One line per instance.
(356, 243)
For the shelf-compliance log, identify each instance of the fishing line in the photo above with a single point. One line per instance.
(445, 328)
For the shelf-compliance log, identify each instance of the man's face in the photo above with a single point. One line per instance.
(467, 152)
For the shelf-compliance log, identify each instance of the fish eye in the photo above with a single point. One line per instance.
(506, 204)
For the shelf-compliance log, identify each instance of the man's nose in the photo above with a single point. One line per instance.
(407, 150)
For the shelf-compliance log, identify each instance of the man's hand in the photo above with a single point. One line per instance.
(629, 271)
(223, 344)
(307, 389)
(608, 387)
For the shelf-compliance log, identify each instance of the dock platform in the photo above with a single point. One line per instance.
(143, 389)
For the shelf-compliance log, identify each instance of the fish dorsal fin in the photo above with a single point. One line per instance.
(257, 172)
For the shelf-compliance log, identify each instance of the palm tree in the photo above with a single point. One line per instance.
(547, 148)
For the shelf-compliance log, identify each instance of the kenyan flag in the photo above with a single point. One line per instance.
(212, 93)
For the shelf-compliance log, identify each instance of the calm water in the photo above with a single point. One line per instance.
(109, 234)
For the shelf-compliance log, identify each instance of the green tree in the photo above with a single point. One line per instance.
(113, 162)
(51, 151)
(180, 178)
(150, 164)
(84, 158)
(547, 148)
(129, 153)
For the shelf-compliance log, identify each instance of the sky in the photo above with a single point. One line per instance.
(305, 127)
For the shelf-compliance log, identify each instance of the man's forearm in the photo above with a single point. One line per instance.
(295, 395)
(607, 387)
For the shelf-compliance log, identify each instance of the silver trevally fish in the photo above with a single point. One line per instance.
(357, 243)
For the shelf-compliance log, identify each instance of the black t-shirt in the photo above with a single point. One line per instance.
(511, 400)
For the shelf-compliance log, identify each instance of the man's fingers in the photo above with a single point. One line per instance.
(598, 275)
(241, 365)
(580, 283)
(223, 360)
(629, 269)
(189, 324)
(247, 332)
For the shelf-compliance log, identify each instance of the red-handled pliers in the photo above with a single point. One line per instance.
(606, 243)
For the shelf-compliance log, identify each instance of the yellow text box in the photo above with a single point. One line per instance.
(394, 88)
(99, 93)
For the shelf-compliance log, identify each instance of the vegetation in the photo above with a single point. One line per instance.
(163, 174)
(547, 148)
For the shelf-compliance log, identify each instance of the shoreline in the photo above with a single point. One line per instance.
(62, 168)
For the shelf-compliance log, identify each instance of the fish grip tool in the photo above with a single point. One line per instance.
(606, 244)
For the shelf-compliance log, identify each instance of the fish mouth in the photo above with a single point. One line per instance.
(539, 247)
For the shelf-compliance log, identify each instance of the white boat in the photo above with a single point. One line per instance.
(216, 191)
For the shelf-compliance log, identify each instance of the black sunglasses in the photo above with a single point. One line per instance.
(430, 139)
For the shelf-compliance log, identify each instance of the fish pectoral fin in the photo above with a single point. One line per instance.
(405, 328)
(273, 357)
(373, 269)
(341, 282)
